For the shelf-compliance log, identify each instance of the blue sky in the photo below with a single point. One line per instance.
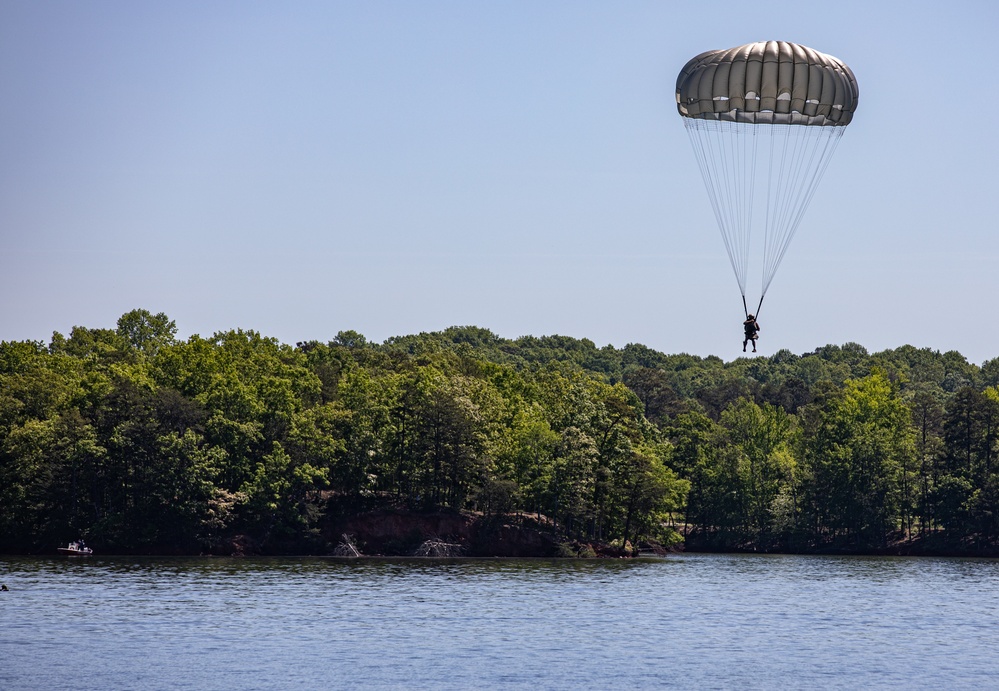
(302, 168)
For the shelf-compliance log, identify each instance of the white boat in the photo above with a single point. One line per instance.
(76, 549)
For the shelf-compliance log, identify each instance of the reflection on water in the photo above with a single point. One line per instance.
(686, 621)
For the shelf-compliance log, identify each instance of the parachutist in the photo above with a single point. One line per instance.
(752, 330)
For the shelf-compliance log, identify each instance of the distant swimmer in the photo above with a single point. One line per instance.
(752, 330)
(3, 587)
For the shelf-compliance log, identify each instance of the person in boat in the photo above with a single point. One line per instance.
(752, 330)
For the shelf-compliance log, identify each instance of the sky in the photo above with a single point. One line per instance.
(302, 168)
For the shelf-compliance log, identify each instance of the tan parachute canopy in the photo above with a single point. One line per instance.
(772, 82)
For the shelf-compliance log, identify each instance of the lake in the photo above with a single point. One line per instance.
(687, 621)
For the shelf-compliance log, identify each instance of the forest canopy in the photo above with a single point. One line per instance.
(143, 442)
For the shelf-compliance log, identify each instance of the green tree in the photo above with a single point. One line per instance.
(765, 436)
(49, 469)
(856, 453)
(145, 331)
(283, 501)
(717, 505)
(649, 493)
(964, 502)
(573, 479)
(927, 404)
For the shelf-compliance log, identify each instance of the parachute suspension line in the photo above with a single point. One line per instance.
(800, 156)
(749, 176)
(829, 144)
(731, 157)
(726, 153)
(778, 196)
(792, 183)
(716, 183)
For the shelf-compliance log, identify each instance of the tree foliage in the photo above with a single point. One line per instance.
(143, 442)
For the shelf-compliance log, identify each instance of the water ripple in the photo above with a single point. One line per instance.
(691, 621)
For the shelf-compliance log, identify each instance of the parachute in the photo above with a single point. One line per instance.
(764, 120)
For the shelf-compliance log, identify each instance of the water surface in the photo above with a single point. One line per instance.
(688, 621)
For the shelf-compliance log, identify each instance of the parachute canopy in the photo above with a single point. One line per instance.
(772, 82)
(764, 120)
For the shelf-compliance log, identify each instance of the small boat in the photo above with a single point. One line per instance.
(77, 549)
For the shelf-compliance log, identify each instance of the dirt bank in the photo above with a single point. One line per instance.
(404, 533)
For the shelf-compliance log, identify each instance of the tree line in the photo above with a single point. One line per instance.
(139, 441)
